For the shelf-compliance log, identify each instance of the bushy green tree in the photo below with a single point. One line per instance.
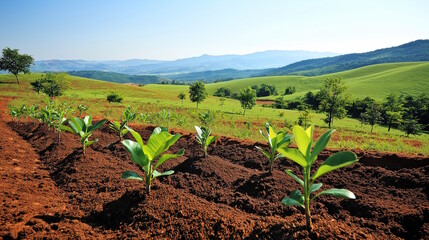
(333, 99)
(393, 110)
(197, 92)
(182, 96)
(52, 84)
(247, 98)
(372, 115)
(15, 63)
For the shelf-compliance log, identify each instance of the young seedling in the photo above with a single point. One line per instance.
(81, 108)
(204, 138)
(84, 129)
(119, 127)
(305, 158)
(275, 142)
(145, 155)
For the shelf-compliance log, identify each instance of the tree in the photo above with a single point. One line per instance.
(305, 117)
(222, 92)
(15, 63)
(290, 90)
(411, 126)
(182, 96)
(393, 110)
(372, 115)
(247, 98)
(52, 84)
(333, 99)
(197, 92)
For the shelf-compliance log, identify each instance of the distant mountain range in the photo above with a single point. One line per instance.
(410, 52)
(259, 60)
(228, 67)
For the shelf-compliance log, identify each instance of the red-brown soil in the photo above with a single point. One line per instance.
(50, 191)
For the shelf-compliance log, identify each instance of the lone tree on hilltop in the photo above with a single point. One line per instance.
(197, 92)
(247, 98)
(393, 110)
(15, 63)
(333, 99)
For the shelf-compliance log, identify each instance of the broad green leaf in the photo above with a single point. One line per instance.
(158, 143)
(294, 155)
(320, 144)
(158, 174)
(336, 192)
(76, 124)
(96, 126)
(315, 187)
(272, 133)
(65, 128)
(166, 157)
(285, 141)
(211, 139)
(309, 131)
(302, 139)
(131, 175)
(136, 152)
(338, 160)
(266, 153)
(289, 172)
(136, 136)
(295, 199)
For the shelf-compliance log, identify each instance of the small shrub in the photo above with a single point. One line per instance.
(114, 97)
(204, 138)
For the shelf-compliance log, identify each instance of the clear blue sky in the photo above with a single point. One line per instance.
(124, 29)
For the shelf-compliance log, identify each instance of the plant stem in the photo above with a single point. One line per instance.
(307, 198)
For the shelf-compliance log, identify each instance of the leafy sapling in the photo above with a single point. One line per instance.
(119, 127)
(204, 138)
(84, 129)
(306, 158)
(150, 156)
(275, 142)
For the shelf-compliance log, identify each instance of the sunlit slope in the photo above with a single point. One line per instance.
(376, 81)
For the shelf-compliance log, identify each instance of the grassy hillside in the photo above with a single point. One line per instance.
(118, 77)
(376, 81)
(409, 52)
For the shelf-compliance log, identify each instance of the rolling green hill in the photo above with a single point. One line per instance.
(118, 77)
(376, 81)
(410, 52)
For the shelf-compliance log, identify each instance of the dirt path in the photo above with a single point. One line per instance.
(31, 204)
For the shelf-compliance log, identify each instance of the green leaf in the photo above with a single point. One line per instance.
(338, 160)
(166, 157)
(211, 139)
(315, 187)
(89, 143)
(158, 174)
(158, 143)
(266, 153)
(294, 155)
(96, 126)
(136, 136)
(320, 145)
(76, 124)
(336, 192)
(295, 199)
(302, 139)
(131, 175)
(136, 152)
(65, 128)
(199, 132)
(271, 133)
(289, 172)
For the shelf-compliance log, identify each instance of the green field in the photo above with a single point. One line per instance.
(229, 119)
(376, 81)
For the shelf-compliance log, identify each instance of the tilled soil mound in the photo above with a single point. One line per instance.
(229, 194)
